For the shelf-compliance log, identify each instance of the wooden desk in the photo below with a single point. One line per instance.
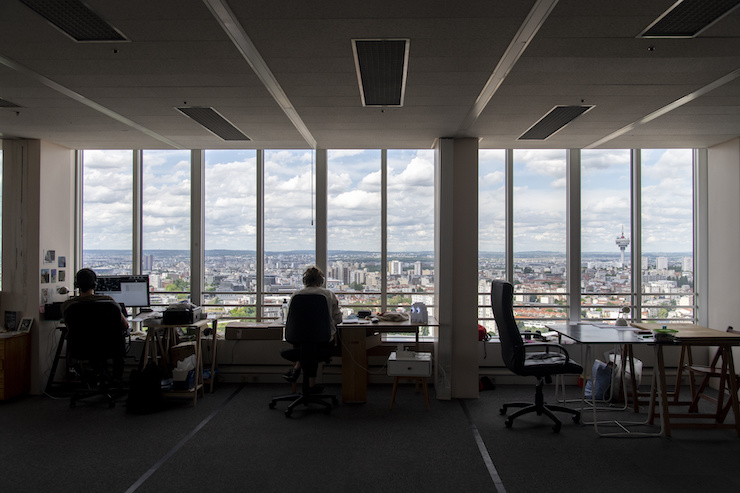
(695, 335)
(165, 337)
(354, 353)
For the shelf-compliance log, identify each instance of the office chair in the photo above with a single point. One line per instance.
(529, 359)
(308, 328)
(94, 336)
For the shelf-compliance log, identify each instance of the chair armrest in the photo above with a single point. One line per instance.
(561, 349)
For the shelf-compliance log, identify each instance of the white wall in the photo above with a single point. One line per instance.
(38, 216)
(724, 234)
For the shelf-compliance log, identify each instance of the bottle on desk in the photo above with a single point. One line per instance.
(284, 311)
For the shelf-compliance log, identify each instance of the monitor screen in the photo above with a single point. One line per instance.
(129, 290)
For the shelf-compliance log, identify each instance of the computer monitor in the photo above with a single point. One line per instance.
(131, 291)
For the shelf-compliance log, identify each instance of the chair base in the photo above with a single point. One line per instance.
(305, 398)
(540, 408)
(109, 394)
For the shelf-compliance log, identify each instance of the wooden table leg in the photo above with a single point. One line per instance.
(354, 366)
(393, 392)
(664, 414)
(727, 356)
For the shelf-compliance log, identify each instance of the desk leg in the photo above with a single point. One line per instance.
(354, 366)
(664, 414)
(57, 355)
(214, 343)
(727, 356)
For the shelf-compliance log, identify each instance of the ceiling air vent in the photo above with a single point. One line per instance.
(213, 122)
(688, 18)
(381, 70)
(76, 20)
(557, 118)
(4, 103)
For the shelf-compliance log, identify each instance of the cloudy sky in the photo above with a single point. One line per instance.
(354, 200)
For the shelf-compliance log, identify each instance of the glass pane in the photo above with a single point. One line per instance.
(166, 224)
(230, 222)
(353, 215)
(290, 238)
(491, 230)
(410, 235)
(107, 211)
(606, 280)
(667, 234)
(539, 228)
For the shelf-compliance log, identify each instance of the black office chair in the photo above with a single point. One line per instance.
(535, 359)
(94, 337)
(308, 327)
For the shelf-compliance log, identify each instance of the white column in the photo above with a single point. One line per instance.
(456, 267)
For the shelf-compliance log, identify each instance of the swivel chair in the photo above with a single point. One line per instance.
(94, 337)
(540, 360)
(308, 328)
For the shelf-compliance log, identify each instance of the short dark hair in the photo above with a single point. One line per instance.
(313, 277)
(86, 279)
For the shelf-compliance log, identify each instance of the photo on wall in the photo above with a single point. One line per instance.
(62, 262)
(45, 276)
(49, 256)
(53, 275)
(62, 275)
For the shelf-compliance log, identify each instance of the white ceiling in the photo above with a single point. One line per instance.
(123, 95)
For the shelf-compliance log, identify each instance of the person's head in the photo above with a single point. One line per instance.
(86, 280)
(313, 277)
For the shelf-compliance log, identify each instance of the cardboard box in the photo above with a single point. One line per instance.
(181, 351)
(253, 331)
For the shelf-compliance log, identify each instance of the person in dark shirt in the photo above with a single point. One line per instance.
(86, 280)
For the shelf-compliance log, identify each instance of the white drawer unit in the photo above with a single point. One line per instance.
(416, 365)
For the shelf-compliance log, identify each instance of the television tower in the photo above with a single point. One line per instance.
(622, 243)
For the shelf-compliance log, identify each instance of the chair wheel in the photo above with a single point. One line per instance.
(502, 411)
(271, 405)
(556, 428)
(288, 412)
(577, 418)
(508, 423)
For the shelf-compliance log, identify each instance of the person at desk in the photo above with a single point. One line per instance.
(86, 280)
(313, 280)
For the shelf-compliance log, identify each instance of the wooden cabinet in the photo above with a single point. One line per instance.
(15, 364)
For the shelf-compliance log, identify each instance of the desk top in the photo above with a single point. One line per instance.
(157, 322)
(695, 334)
(431, 321)
(599, 334)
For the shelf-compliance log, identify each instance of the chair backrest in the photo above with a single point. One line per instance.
(308, 320)
(512, 344)
(94, 329)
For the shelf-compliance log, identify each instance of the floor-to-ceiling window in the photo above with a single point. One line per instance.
(230, 233)
(107, 211)
(289, 236)
(354, 228)
(539, 235)
(491, 229)
(606, 280)
(410, 230)
(667, 261)
(660, 287)
(166, 224)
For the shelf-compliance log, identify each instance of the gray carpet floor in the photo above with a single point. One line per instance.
(232, 441)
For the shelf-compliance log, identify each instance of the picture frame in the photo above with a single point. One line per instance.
(25, 325)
